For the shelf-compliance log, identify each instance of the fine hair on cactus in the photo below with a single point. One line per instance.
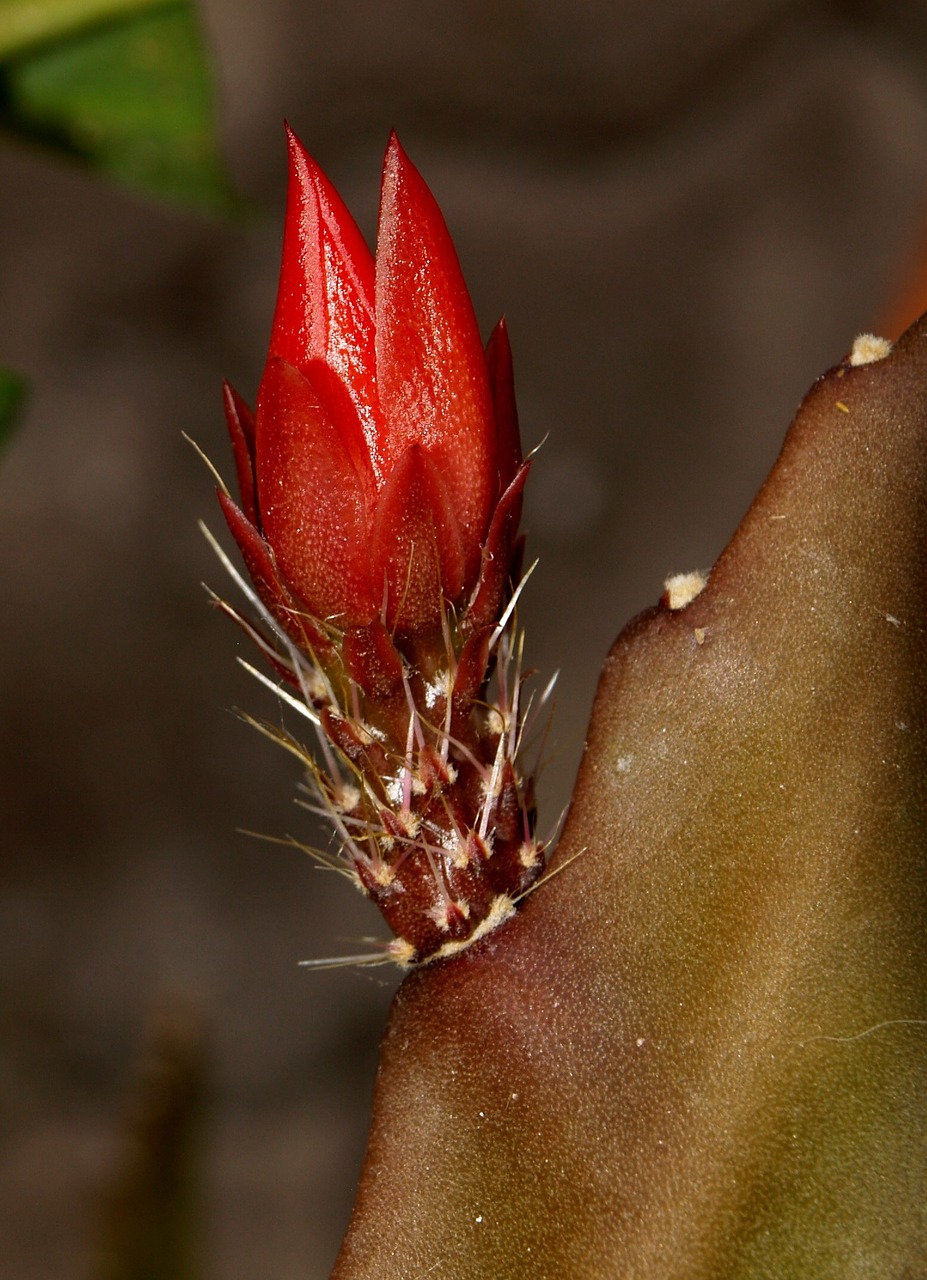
(380, 488)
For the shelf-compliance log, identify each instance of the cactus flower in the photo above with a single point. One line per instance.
(381, 481)
(379, 453)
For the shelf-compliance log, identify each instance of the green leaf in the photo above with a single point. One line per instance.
(26, 22)
(124, 84)
(12, 389)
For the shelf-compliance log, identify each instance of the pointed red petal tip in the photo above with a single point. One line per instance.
(502, 382)
(325, 308)
(431, 368)
(240, 422)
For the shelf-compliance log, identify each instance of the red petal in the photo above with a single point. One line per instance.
(325, 297)
(241, 430)
(332, 395)
(417, 543)
(259, 562)
(502, 382)
(431, 369)
(311, 499)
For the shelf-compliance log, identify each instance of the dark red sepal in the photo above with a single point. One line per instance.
(472, 670)
(363, 751)
(496, 567)
(259, 562)
(372, 660)
(432, 770)
(241, 431)
(506, 812)
(502, 387)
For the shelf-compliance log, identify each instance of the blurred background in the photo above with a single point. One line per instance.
(686, 208)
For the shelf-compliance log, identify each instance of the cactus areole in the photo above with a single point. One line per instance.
(380, 484)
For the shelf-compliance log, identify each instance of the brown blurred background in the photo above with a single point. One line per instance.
(687, 209)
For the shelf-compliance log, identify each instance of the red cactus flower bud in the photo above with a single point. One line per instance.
(379, 450)
(381, 483)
